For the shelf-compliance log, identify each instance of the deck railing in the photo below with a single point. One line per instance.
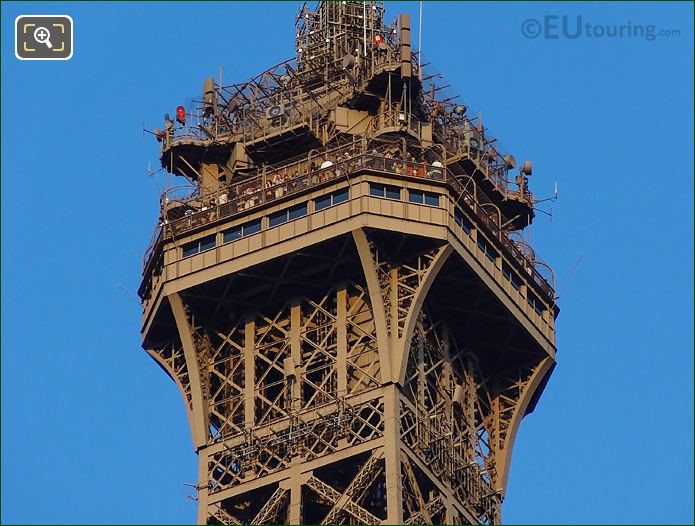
(198, 210)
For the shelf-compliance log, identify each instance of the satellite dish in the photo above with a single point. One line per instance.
(275, 111)
(527, 168)
(510, 161)
(460, 109)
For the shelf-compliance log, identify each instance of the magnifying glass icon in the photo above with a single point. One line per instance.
(42, 36)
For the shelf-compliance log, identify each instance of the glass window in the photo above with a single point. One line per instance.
(431, 199)
(486, 248)
(277, 218)
(462, 221)
(191, 248)
(534, 302)
(241, 231)
(340, 196)
(416, 196)
(322, 202)
(251, 227)
(207, 243)
(378, 190)
(231, 234)
(199, 245)
(393, 192)
(511, 276)
(333, 198)
(298, 211)
(385, 190)
(288, 214)
(427, 198)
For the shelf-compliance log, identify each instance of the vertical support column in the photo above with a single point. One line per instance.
(393, 300)
(296, 354)
(449, 511)
(249, 373)
(421, 376)
(446, 384)
(377, 302)
(294, 511)
(341, 352)
(392, 456)
(294, 514)
(202, 487)
(492, 460)
(406, 68)
(200, 416)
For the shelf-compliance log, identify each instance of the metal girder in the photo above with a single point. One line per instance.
(270, 509)
(332, 340)
(410, 475)
(436, 505)
(332, 496)
(357, 489)
(223, 516)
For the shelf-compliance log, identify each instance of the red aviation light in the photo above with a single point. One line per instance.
(181, 114)
(378, 39)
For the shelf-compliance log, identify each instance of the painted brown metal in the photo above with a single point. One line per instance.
(342, 293)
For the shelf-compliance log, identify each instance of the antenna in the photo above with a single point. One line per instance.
(551, 199)
(197, 489)
(574, 268)
(150, 173)
(120, 286)
(419, 44)
(364, 19)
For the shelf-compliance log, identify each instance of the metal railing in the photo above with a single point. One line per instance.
(469, 144)
(249, 122)
(395, 119)
(245, 196)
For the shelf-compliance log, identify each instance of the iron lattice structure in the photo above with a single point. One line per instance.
(341, 289)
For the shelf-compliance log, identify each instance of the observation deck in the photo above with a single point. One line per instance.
(244, 223)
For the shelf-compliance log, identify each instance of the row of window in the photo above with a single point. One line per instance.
(507, 271)
(342, 195)
(339, 196)
(422, 197)
(199, 245)
(463, 221)
(511, 276)
(487, 249)
(394, 192)
(533, 300)
(288, 214)
(274, 219)
(240, 231)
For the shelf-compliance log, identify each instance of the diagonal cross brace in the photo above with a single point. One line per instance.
(332, 495)
(357, 488)
(224, 517)
(270, 508)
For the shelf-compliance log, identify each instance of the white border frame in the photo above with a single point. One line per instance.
(72, 37)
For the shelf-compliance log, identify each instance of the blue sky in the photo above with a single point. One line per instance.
(93, 431)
